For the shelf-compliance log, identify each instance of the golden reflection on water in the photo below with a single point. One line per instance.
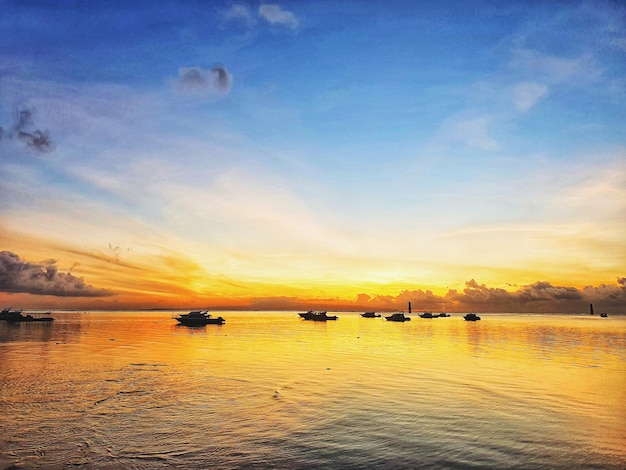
(271, 375)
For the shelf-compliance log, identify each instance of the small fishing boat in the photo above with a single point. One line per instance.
(604, 315)
(428, 315)
(317, 316)
(370, 315)
(399, 316)
(443, 315)
(471, 317)
(15, 316)
(198, 318)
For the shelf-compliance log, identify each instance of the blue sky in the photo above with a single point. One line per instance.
(317, 149)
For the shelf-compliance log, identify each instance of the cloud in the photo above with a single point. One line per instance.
(275, 15)
(470, 131)
(197, 80)
(241, 16)
(538, 297)
(17, 275)
(542, 291)
(238, 14)
(527, 95)
(23, 131)
(553, 69)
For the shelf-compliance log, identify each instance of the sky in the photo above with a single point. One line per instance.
(464, 156)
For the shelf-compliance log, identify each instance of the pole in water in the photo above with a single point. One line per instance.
(591, 309)
(409, 307)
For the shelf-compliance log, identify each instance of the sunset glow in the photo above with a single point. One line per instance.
(320, 154)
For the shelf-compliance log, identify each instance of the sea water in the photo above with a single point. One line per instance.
(269, 390)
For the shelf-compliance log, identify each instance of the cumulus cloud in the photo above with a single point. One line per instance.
(275, 15)
(17, 275)
(538, 297)
(197, 80)
(24, 131)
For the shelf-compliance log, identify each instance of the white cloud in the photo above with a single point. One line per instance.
(527, 95)
(275, 15)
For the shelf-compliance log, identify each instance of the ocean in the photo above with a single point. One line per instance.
(134, 390)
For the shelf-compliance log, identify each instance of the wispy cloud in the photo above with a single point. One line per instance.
(17, 275)
(555, 69)
(238, 14)
(468, 130)
(527, 95)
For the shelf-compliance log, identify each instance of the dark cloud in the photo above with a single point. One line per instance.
(475, 293)
(44, 278)
(221, 79)
(23, 131)
(195, 79)
(192, 78)
(538, 297)
(545, 291)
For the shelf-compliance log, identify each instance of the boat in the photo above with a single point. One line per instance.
(7, 312)
(428, 315)
(604, 315)
(443, 315)
(471, 317)
(317, 316)
(399, 316)
(306, 314)
(370, 315)
(15, 316)
(198, 318)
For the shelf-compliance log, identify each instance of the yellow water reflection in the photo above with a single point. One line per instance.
(269, 375)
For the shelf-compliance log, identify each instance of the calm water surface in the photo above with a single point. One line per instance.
(269, 390)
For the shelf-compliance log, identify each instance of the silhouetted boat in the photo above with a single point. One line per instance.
(7, 312)
(443, 315)
(317, 316)
(199, 318)
(471, 317)
(398, 317)
(428, 315)
(306, 314)
(370, 315)
(15, 316)
(604, 315)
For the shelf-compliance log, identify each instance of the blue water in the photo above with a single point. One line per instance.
(269, 390)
